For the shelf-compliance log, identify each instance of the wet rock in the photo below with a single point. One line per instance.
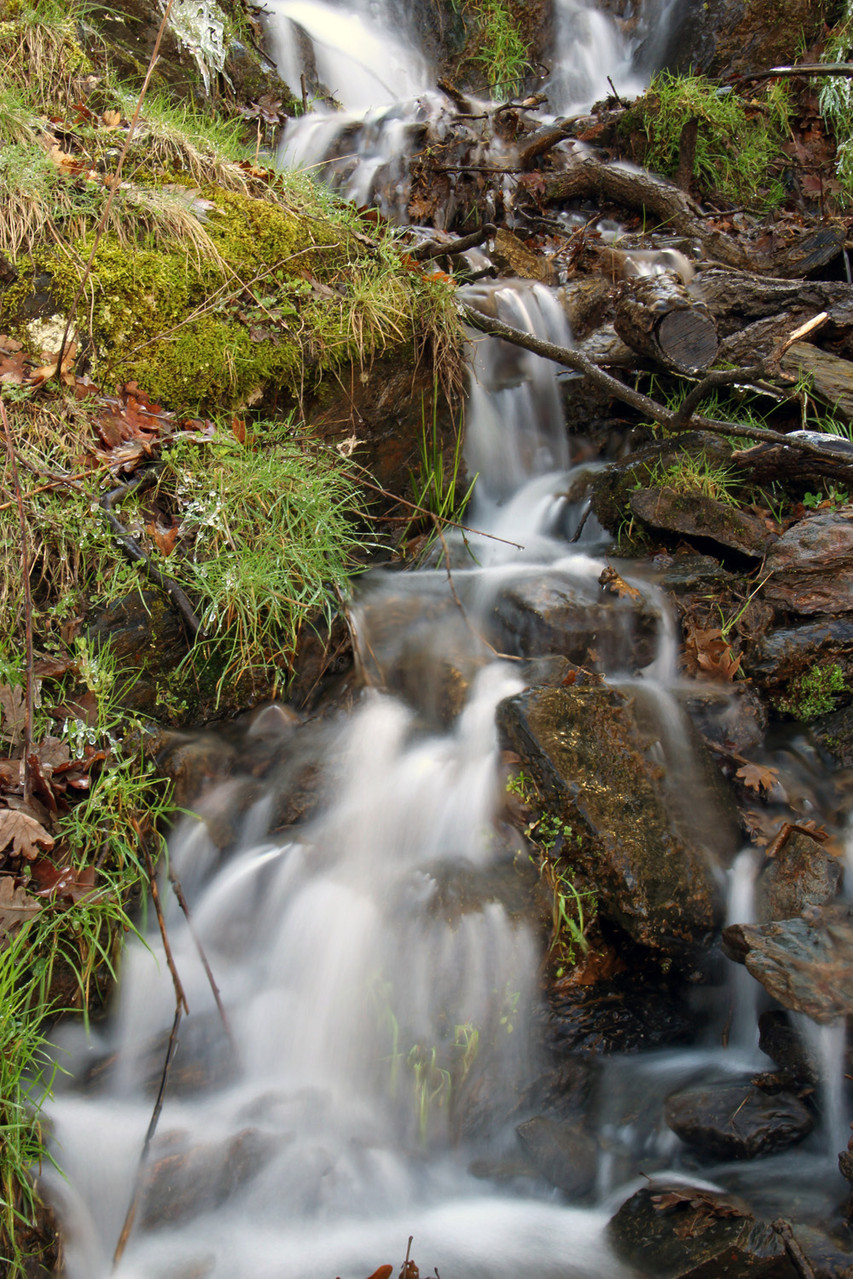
(845, 1164)
(733, 719)
(675, 1231)
(578, 620)
(737, 1121)
(580, 745)
(192, 762)
(207, 1060)
(695, 515)
(802, 874)
(790, 652)
(182, 1183)
(622, 1015)
(686, 572)
(780, 1041)
(563, 1153)
(512, 256)
(724, 37)
(811, 565)
(805, 964)
(834, 733)
(146, 640)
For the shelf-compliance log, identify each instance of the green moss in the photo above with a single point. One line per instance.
(816, 692)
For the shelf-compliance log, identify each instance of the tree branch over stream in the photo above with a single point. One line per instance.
(672, 419)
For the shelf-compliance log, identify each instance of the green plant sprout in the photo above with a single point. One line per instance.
(833, 496)
(817, 692)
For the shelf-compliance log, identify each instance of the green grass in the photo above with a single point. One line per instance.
(691, 473)
(267, 540)
(503, 52)
(737, 145)
(836, 100)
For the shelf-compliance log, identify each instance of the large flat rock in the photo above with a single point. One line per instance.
(810, 567)
(583, 747)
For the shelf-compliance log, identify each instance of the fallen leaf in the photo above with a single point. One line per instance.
(384, 1272)
(24, 833)
(758, 777)
(611, 581)
(706, 650)
(164, 539)
(13, 712)
(16, 906)
(111, 119)
(69, 882)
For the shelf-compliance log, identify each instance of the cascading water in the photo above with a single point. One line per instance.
(379, 978)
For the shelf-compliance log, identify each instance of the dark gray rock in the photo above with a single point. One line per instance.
(550, 614)
(561, 1152)
(810, 566)
(780, 1041)
(673, 1231)
(701, 518)
(737, 1121)
(629, 1013)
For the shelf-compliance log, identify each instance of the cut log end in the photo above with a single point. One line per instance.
(688, 340)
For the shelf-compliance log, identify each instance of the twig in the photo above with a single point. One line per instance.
(28, 603)
(434, 249)
(796, 1256)
(619, 101)
(665, 417)
(422, 510)
(149, 1137)
(135, 553)
(181, 1007)
(507, 657)
(184, 905)
(114, 182)
(842, 69)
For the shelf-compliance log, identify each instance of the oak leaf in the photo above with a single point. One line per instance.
(13, 712)
(758, 777)
(16, 907)
(23, 832)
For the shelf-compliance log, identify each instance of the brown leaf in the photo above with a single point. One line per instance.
(611, 581)
(164, 538)
(758, 777)
(706, 650)
(384, 1272)
(111, 119)
(9, 345)
(16, 906)
(69, 882)
(13, 712)
(23, 832)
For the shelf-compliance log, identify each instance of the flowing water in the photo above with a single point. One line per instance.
(378, 968)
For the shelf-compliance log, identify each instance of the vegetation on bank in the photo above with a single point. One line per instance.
(219, 295)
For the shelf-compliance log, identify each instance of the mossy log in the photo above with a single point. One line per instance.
(656, 316)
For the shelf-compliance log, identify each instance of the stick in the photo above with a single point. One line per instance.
(135, 553)
(181, 1007)
(28, 604)
(651, 408)
(796, 1256)
(507, 657)
(182, 901)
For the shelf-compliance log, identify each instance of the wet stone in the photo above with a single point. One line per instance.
(676, 1231)
(732, 718)
(802, 874)
(561, 1152)
(189, 1180)
(624, 1015)
(694, 515)
(582, 747)
(805, 964)
(780, 1041)
(810, 567)
(544, 615)
(792, 651)
(737, 1121)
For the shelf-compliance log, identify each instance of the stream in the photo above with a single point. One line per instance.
(379, 967)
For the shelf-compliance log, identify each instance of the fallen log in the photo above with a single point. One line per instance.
(657, 317)
(684, 418)
(740, 295)
(830, 376)
(638, 189)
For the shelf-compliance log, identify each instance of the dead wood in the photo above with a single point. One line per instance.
(437, 249)
(657, 317)
(638, 189)
(541, 141)
(831, 377)
(745, 295)
(674, 420)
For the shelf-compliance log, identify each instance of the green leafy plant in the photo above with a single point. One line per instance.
(816, 692)
(833, 495)
(737, 143)
(437, 488)
(504, 53)
(570, 918)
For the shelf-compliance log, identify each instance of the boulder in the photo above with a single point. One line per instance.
(580, 621)
(185, 1180)
(802, 874)
(629, 1013)
(561, 1152)
(676, 1231)
(582, 747)
(806, 964)
(737, 1121)
(787, 654)
(691, 514)
(810, 566)
(780, 1041)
